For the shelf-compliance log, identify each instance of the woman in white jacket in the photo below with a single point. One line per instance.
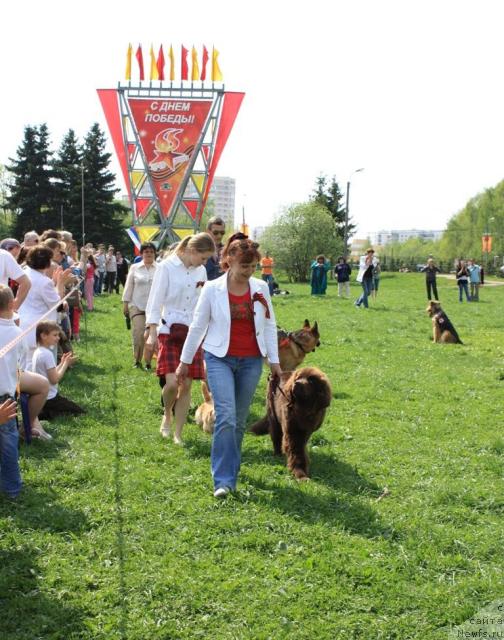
(234, 316)
(176, 287)
(367, 265)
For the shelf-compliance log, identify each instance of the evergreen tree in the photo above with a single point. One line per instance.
(319, 193)
(330, 197)
(5, 216)
(68, 184)
(103, 215)
(30, 196)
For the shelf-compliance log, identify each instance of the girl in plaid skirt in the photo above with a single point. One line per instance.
(176, 287)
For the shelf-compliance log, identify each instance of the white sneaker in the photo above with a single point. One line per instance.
(221, 492)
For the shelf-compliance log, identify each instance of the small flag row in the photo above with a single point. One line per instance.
(157, 64)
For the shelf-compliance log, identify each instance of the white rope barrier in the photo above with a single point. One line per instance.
(10, 345)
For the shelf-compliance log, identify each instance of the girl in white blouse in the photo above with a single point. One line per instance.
(176, 287)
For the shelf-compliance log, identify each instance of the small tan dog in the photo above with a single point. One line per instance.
(205, 413)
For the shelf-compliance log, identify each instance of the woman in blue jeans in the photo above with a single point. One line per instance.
(234, 316)
(462, 276)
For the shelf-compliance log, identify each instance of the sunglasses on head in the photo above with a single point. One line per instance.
(247, 244)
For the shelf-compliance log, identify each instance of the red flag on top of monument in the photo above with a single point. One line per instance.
(204, 63)
(139, 57)
(184, 70)
(160, 63)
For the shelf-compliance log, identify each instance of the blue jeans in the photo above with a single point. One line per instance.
(367, 286)
(10, 476)
(98, 282)
(232, 381)
(463, 286)
(269, 279)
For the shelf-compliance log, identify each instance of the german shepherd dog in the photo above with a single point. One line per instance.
(296, 408)
(442, 328)
(293, 346)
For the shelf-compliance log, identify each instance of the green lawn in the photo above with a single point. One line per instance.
(117, 534)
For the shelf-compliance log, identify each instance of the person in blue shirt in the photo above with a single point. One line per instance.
(474, 279)
(342, 273)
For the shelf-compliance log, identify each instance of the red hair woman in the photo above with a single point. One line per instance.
(235, 320)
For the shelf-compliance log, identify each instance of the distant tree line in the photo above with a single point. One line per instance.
(483, 214)
(42, 189)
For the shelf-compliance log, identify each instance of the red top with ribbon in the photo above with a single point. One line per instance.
(258, 297)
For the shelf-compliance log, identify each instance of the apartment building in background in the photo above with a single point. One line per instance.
(222, 194)
(382, 238)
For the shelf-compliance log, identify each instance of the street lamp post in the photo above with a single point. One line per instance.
(82, 205)
(347, 209)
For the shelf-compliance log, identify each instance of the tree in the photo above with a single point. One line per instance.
(298, 235)
(5, 215)
(67, 184)
(103, 215)
(484, 213)
(30, 196)
(330, 197)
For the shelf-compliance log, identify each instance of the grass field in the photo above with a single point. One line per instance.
(117, 534)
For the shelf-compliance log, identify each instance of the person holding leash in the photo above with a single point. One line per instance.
(235, 320)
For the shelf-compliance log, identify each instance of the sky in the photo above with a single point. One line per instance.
(410, 91)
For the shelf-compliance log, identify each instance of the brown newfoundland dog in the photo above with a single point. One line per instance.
(296, 408)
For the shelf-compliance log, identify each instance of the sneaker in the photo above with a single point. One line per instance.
(137, 365)
(221, 492)
(148, 367)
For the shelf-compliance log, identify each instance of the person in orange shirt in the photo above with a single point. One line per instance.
(267, 264)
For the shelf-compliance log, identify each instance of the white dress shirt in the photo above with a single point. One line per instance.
(9, 362)
(138, 284)
(174, 293)
(41, 297)
(9, 268)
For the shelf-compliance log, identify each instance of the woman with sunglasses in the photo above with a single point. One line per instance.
(235, 317)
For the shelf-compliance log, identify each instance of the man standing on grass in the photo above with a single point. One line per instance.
(267, 264)
(474, 279)
(216, 227)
